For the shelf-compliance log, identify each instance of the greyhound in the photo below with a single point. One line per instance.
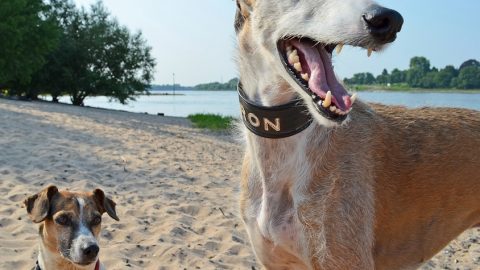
(328, 181)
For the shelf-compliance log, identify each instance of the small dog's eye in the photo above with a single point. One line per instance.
(63, 220)
(96, 220)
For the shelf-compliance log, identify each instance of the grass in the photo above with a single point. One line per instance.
(211, 121)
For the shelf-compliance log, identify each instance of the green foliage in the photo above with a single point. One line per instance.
(105, 58)
(444, 77)
(383, 78)
(211, 121)
(362, 78)
(470, 63)
(419, 67)
(469, 78)
(398, 76)
(27, 35)
(420, 75)
(230, 85)
(92, 55)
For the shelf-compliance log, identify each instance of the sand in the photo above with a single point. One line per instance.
(176, 188)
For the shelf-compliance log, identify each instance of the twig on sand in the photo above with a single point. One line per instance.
(124, 160)
(221, 210)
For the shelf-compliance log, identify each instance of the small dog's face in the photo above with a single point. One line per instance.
(297, 38)
(71, 222)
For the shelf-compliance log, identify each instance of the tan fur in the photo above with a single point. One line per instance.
(388, 189)
(411, 177)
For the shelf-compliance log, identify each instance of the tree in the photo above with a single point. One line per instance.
(96, 56)
(469, 78)
(429, 80)
(115, 63)
(28, 35)
(384, 78)
(420, 63)
(361, 78)
(55, 76)
(445, 76)
(419, 67)
(469, 63)
(397, 76)
(421, 75)
(230, 85)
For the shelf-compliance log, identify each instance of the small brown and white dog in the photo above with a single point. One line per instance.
(357, 186)
(70, 226)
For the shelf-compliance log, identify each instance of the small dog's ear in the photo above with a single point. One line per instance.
(105, 204)
(38, 205)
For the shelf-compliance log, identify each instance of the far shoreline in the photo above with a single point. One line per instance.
(358, 88)
(400, 89)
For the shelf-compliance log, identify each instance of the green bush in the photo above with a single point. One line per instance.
(211, 121)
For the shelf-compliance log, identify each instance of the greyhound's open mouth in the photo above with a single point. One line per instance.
(309, 63)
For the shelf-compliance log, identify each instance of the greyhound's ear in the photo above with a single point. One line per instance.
(244, 8)
(38, 205)
(105, 204)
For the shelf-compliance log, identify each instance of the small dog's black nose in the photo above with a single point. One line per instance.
(383, 23)
(91, 251)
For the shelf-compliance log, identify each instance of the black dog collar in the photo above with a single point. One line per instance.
(36, 267)
(274, 122)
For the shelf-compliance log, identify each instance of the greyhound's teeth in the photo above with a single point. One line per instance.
(333, 108)
(328, 100)
(298, 66)
(353, 98)
(305, 76)
(370, 51)
(293, 59)
(339, 48)
(289, 48)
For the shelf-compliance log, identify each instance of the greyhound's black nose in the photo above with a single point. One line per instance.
(383, 23)
(91, 251)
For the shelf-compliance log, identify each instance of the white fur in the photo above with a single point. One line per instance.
(47, 259)
(84, 237)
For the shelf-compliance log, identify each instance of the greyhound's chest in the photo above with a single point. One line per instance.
(276, 231)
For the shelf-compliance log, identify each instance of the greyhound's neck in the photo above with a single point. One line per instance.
(263, 85)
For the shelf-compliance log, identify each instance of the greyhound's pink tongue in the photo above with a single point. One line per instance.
(322, 78)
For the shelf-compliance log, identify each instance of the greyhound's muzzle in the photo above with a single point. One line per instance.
(383, 23)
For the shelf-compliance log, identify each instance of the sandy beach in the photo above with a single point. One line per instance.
(176, 188)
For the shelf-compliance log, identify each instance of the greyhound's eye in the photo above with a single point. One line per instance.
(63, 220)
(96, 220)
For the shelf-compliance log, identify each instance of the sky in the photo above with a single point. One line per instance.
(196, 41)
